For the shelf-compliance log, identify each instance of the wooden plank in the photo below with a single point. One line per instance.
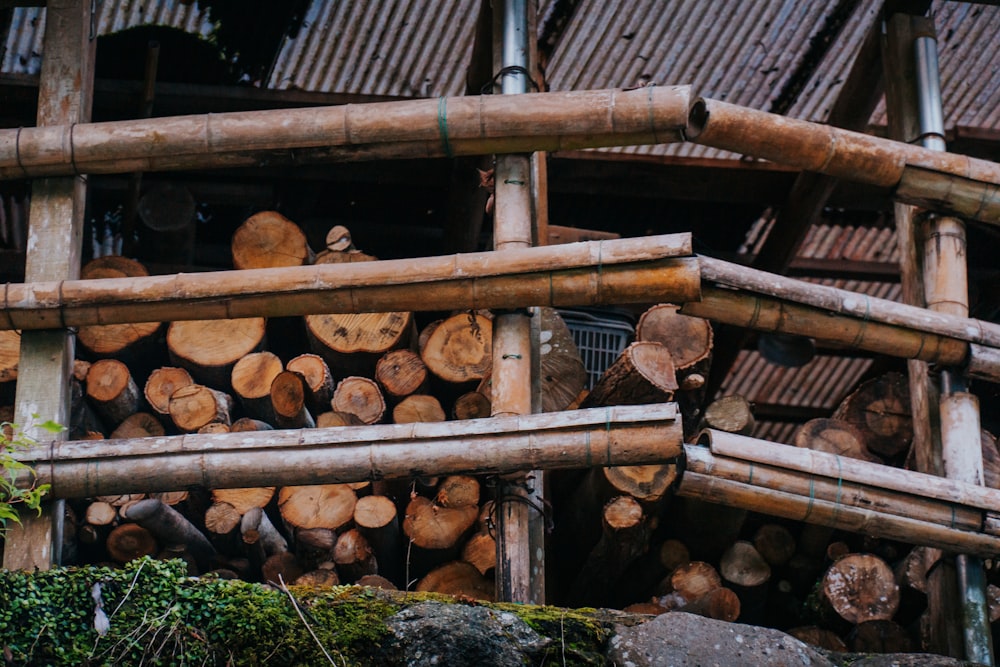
(54, 233)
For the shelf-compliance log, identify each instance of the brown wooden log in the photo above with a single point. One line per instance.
(480, 551)
(268, 239)
(563, 374)
(880, 409)
(648, 484)
(834, 436)
(418, 408)
(991, 459)
(624, 538)
(130, 541)
(317, 506)
(194, 406)
(775, 543)
(354, 557)
(459, 579)
(359, 396)
(247, 425)
(318, 379)
(161, 385)
(376, 581)
(209, 349)
(222, 523)
(672, 554)
(338, 239)
(288, 401)
(214, 427)
(458, 491)
(139, 425)
(170, 528)
(283, 566)
(460, 348)
(722, 604)
(251, 380)
(401, 373)
(471, 405)
(330, 419)
(376, 517)
(879, 636)
(643, 373)
(245, 499)
(430, 526)
(319, 578)
(861, 587)
(10, 351)
(100, 513)
(689, 339)
(821, 637)
(732, 414)
(694, 579)
(116, 340)
(256, 528)
(746, 572)
(122, 499)
(112, 391)
(171, 497)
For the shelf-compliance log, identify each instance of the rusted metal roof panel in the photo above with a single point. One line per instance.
(23, 46)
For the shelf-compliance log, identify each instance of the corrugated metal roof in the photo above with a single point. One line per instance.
(23, 47)
(416, 48)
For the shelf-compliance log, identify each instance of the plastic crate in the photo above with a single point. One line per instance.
(600, 337)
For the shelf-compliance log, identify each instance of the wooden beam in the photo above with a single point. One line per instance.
(54, 233)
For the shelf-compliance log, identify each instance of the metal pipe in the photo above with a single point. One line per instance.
(515, 47)
(929, 111)
(975, 616)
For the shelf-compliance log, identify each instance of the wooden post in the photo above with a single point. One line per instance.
(56, 226)
(519, 573)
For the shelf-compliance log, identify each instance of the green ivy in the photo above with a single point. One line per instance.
(18, 484)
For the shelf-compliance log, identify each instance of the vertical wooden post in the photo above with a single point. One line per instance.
(519, 573)
(54, 242)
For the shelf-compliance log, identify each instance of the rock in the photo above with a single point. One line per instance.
(678, 639)
(434, 633)
(900, 660)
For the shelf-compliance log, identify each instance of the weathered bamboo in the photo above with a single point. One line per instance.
(825, 513)
(956, 183)
(591, 273)
(851, 470)
(606, 436)
(443, 127)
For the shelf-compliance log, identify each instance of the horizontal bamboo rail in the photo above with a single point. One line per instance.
(959, 184)
(840, 492)
(623, 435)
(648, 269)
(441, 127)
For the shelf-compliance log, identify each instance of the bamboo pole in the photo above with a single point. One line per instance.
(851, 470)
(835, 515)
(941, 181)
(831, 488)
(622, 435)
(442, 127)
(594, 272)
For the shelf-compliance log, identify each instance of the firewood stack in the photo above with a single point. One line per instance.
(619, 536)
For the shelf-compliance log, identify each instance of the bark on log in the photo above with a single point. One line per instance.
(457, 578)
(194, 406)
(170, 528)
(251, 382)
(288, 401)
(318, 379)
(861, 587)
(880, 409)
(112, 391)
(161, 385)
(354, 556)
(268, 239)
(460, 349)
(643, 373)
(244, 500)
(624, 538)
(418, 408)
(991, 459)
(563, 374)
(317, 506)
(130, 541)
(209, 349)
(834, 436)
(256, 529)
(471, 405)
(139, 425)
(359, 396)
(401, 373)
